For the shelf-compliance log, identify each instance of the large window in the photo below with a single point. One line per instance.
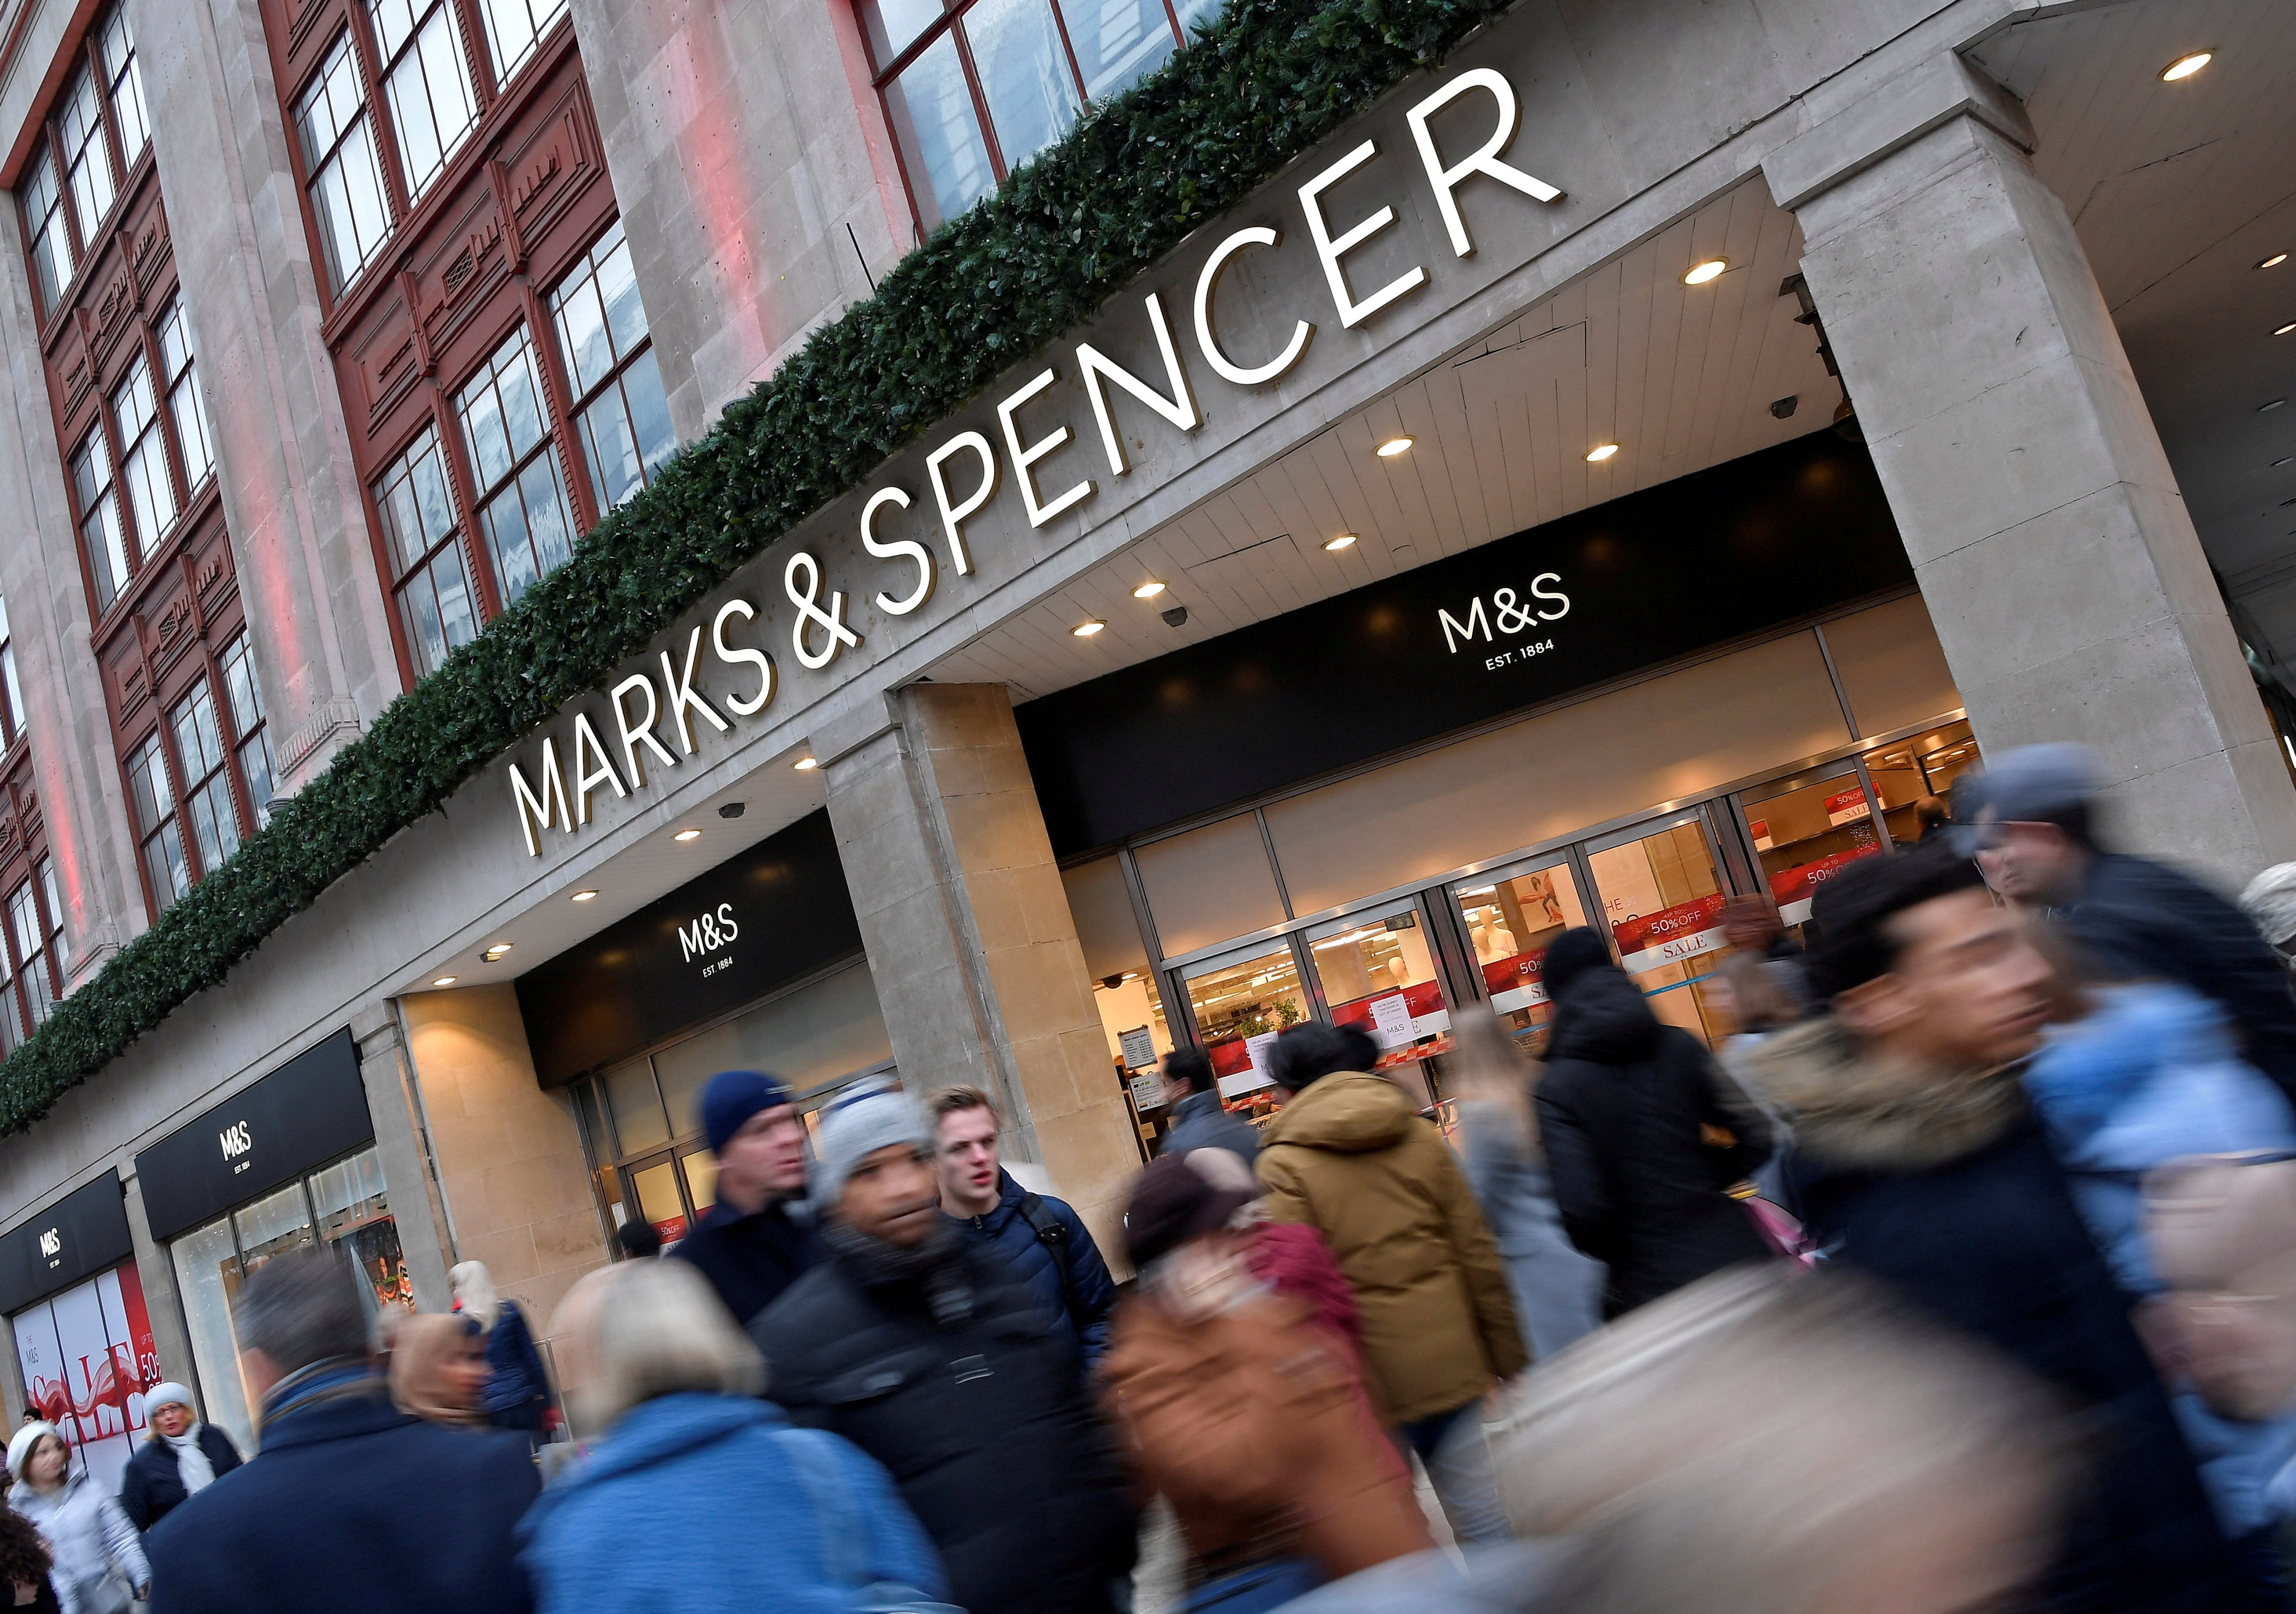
(514, 28)
(87, 158)
(207, 787)
(218, 753)
(116, 51)
(345, 179)
(432, 583)
(12, 693)
(619, 412)
(249, 738)
(193, 436)
(427, 84)
(46, 234)
(151, 491)
(96, 130)
(100, 531)
(164, 864)
(521, 502)
(974, 89)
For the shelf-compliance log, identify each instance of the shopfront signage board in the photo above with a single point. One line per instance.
(81, 1233)
(310, 1111)
(1390, 1020)
(1139, 1048)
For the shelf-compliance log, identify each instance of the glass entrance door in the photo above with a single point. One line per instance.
(1240, 1002)
(1806, 830)
(1662, 892)
(1377, 970)
(1509, 919)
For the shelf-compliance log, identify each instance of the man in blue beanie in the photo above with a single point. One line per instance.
(758, 1238)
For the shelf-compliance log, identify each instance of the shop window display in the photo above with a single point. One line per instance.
(1806, 831)
(345, 1205)
(1508, 924)
(1663, 898)
(1922, 768)
(1378, 972)
(87, 1356)
(1240, 1006)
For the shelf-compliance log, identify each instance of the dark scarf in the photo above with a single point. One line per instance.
(321, 1382)
(935, 1267)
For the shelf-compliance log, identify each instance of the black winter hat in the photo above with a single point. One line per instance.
(1173, 1202)
(1570, 955)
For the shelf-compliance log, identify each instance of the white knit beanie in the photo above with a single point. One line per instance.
(2270, 903)
(858, 1127)
(169, 1393)
(21, 1445)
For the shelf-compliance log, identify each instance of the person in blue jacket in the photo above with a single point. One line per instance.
(1041, 1239)
(2147, 1074)
(695, 1493)
(517, 1395)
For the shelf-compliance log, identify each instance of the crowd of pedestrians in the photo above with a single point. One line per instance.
(1963, 1274)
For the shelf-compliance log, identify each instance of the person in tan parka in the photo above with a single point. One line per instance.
(1349, 1156)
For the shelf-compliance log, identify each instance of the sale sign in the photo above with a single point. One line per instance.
(1793, 889)
(1684, 931)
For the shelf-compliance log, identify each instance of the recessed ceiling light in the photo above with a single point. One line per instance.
(1600, 452)
(496, 951)
(2274, 261)
(584, 896)
(2289, 460)
(2266, 409)
(1148, 590)
(445, 981)
(1086, 630)
(1394, 446)
(1701, 273)
(687, 834)
(2185, 66)
(805, 764)
(2283, 330)
(1339, 540)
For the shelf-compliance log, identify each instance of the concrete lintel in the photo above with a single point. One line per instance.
(1932, 95)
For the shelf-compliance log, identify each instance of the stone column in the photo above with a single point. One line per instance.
(757, 179)
(402, 1145)
(969, 935)
(2045, 528)
(306, 570)
(162, 1304)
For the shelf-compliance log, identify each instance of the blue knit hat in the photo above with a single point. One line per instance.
(732, 1098)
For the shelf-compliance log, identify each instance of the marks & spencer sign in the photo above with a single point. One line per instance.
(726, 670)
(84, 1231)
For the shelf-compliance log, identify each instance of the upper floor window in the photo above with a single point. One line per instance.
(202, 780)
(521, 502)
(974, 88)
(31, 939)
(514, 28)
(96, 130)
(116, 50)
(427, 84)
(248, 733)
(346, 180)
(101, 533)
(620, 411)
(193, 438)
(11, 693)
(429, 576)
(151, 491)
(164, 864)
(47, 235)
(87, 158)
(207, 788)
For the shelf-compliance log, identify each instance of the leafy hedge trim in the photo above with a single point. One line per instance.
(1260, 86)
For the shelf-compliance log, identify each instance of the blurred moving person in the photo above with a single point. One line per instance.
(2033, 812)
(758, 1238)
(2269, 902)
(180, 1458)
(25, 1565)
(928, 1355)
(1041, 1239)
(1918, 1160)
(698, 1496)
(1244, 1414)
(439, 1369)
(2139, 1077)
(350, 1504)
(517, 1389)
(1349, 1156)
(99, 1562)
(1639, 1134)
(1558, 1292)
(1199, 1119)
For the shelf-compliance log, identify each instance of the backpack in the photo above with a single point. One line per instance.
(1050, 1233)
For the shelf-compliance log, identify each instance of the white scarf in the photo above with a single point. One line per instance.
(192, 1464)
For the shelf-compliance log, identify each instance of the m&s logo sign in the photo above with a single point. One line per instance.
(235, 1143)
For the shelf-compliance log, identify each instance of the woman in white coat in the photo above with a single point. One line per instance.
(99, 1561)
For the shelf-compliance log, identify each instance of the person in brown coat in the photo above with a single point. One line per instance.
(1349, 1156)
(1243, 1412)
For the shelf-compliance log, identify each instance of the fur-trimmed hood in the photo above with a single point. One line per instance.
(1852, 1110)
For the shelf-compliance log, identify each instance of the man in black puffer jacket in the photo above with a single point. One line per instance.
(1637, 1138)
(928, 1356)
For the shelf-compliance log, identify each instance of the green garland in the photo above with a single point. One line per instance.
(1064, 233)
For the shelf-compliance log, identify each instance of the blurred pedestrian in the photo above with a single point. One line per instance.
(1040, 1238)
(1291, 1257)
(349, 1505)
(2137, 1077)
(517, 1389)
(25, 1564)
(439, 1369)
(2269, 902)
(1349, 1156)
(99, 1562)
(667, 1387)
(2034, 813)
(641, 1240)
(1640, 1133)
(181, 1457)
(758, 1238)
(1199, 1119)
(928, 1355)
(1244, 1414)
(1918, 1160)
(1557, 1291)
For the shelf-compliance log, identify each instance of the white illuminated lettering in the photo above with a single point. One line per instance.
(1208, 281)
(953, 515)
(1560, 599)
(1180, 408)
(1483, 160)
(1022, 458)
(540, 811)
(634, 735)
(682, 697)
(809, 613)
(589, 776)
(1331, 250)
(733, 655)
(1467, 631)
(899, 548)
